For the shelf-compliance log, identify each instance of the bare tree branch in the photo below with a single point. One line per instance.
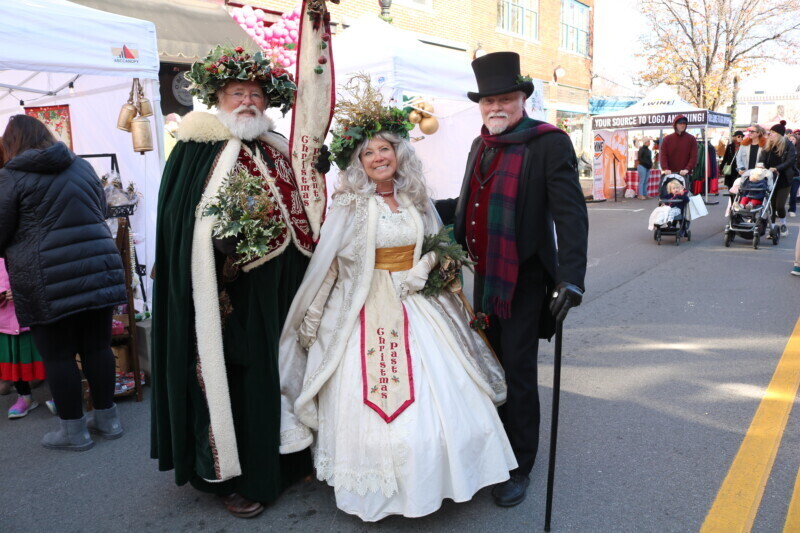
(701, 46)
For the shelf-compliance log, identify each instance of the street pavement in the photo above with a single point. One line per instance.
(665, 365)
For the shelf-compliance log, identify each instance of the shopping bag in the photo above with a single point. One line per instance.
(697, 207)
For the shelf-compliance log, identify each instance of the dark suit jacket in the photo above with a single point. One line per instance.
(549, 192)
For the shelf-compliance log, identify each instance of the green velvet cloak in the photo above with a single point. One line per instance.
(260, 299)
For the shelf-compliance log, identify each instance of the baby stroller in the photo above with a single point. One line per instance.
(751, 222)
(679, 223)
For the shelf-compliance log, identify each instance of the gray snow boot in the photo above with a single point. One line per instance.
(105, 422)
(72, 436)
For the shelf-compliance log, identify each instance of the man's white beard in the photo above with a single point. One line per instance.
(244, 127)
(497, 127)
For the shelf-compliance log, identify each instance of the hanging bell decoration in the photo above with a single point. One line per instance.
(145, 107)
(142, 136)
(126, 115)
(128, 111)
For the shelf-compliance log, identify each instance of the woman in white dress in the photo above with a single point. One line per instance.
(395, 390)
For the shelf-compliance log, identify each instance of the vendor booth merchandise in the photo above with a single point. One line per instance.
(657, 111)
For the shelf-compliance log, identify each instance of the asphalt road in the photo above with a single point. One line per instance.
(665, 364)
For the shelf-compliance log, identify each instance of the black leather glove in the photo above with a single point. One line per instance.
(226, 246)
(565, 297)
(323, 164)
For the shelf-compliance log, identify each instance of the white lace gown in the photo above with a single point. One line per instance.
(449, 443)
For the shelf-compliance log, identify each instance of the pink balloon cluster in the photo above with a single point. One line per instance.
(272, 39)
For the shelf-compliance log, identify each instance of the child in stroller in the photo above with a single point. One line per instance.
(753, 190)
(669, 218)
(750, 209)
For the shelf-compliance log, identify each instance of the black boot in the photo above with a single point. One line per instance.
(512, 492)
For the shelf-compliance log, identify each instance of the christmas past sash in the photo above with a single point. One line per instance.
(388, 381)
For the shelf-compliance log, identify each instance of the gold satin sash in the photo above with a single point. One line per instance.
(394, 259)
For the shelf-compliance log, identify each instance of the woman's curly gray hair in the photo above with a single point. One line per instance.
(409, 178)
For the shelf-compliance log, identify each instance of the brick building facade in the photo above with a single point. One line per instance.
(553, 38)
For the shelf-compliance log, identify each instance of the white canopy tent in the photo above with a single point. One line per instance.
(398, 62)
(45, 45)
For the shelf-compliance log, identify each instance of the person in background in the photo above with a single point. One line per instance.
(679, 149)
(645, 159)
(20, 363)
(5, 385)
(750, 149)
(171, 123)
(66, 274)
(794, 137)
(729, 157)
(779, 155)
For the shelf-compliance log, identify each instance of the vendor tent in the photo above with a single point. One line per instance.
(398, 62)
(45, 46)
(658, 110)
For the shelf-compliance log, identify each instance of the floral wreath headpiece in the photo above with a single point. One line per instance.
(225, 64)
(360, 114)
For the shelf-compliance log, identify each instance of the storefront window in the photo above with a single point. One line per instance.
(575, 125)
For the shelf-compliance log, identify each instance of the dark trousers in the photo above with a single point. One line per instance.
(779, 197)
(793, 195)
(516, 342)
(88, 334)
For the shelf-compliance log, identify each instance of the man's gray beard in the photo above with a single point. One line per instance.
(496, 130)
(245, 128)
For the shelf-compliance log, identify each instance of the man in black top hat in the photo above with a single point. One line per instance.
(521, 178)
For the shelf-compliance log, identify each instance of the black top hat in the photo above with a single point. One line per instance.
(498, 73)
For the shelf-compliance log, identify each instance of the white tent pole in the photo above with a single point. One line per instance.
(26, 80)
(26, 89)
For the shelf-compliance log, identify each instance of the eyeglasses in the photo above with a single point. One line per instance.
(241, 95)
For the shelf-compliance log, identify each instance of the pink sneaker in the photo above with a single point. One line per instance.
(22, 407)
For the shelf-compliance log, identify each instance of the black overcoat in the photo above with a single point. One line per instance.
(549, 194)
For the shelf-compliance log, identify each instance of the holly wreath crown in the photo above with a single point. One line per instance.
(225, 64)
(360, 114)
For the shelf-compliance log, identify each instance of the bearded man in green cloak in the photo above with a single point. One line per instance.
(229, 259)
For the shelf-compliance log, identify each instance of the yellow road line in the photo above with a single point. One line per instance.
(792, 524)
(739, 496)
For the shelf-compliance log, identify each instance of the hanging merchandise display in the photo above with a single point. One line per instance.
(139, 126)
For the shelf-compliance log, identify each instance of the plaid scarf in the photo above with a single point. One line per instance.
(502, 262)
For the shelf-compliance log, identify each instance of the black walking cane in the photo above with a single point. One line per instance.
(551, 469)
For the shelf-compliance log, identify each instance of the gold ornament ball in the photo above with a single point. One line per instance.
(429, 125)
(428, 109)
(414, 117)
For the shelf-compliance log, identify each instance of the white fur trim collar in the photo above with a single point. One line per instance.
(204, 127)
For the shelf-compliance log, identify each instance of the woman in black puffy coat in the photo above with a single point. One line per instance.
(66, 274)
(779, 156)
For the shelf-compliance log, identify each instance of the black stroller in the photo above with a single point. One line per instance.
(679, 224)
(751, 223)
